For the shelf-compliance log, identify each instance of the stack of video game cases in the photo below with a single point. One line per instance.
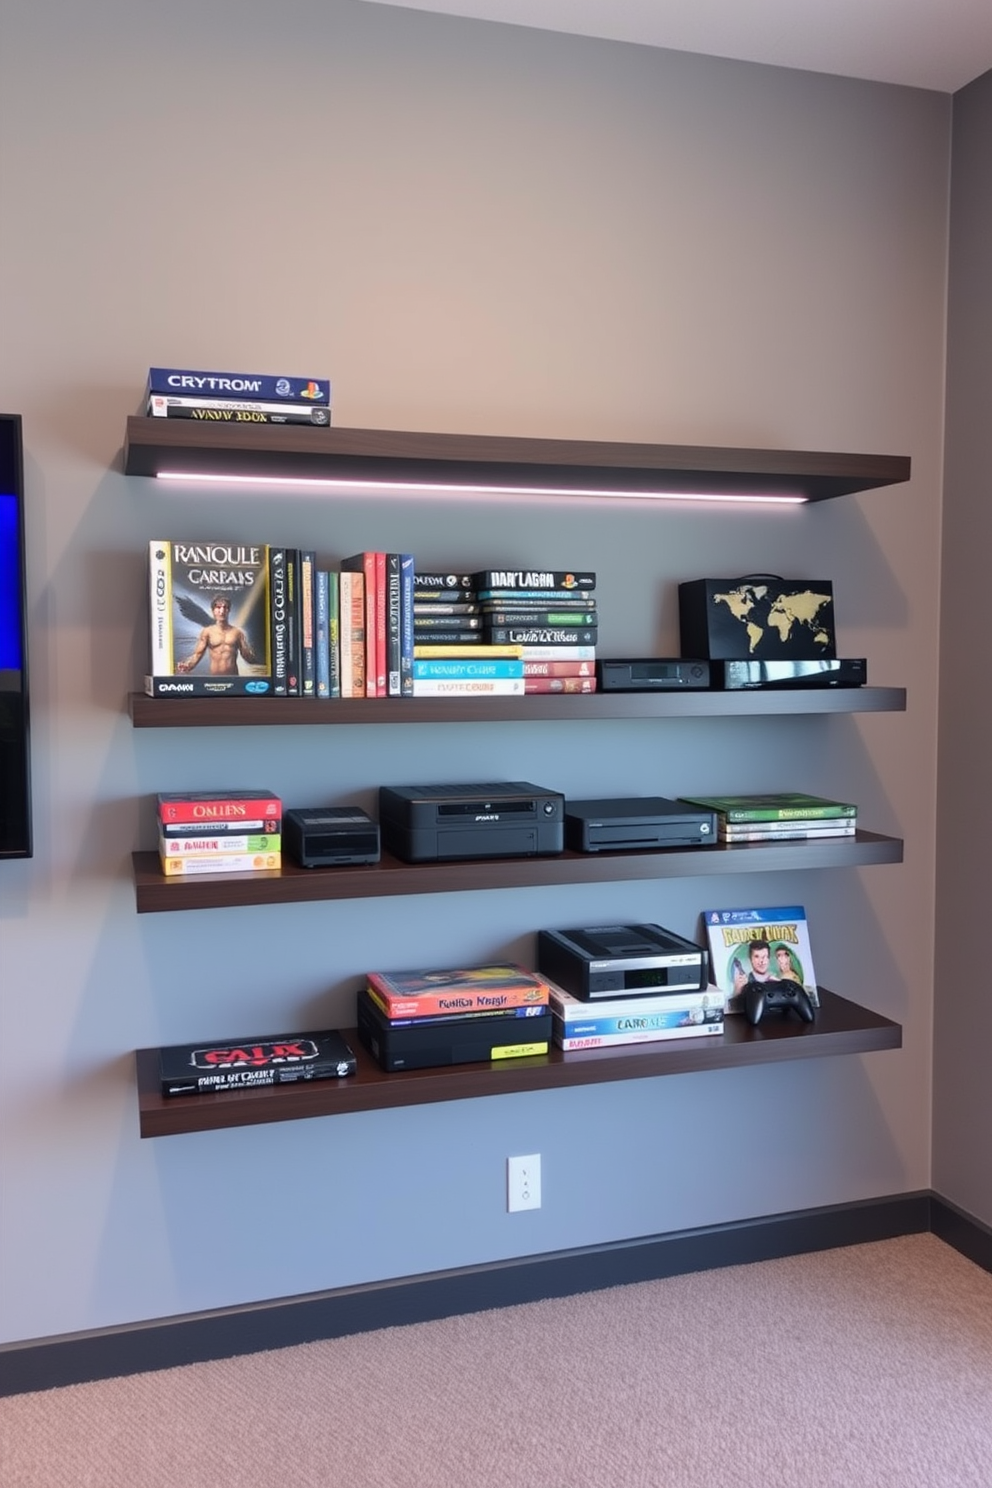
(237, 397)
(504, 632)
(419, 1019)
(781, 816)
(233, 831)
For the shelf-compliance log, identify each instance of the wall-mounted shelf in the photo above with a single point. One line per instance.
(841, 1027)
(292, 885)
(238, 712)
(181, 447)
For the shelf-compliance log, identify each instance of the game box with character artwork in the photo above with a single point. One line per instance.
(210, 622)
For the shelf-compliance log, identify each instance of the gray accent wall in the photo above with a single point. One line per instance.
(472, 228)
(962, 1007)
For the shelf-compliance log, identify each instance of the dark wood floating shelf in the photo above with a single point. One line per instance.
(292, 885)
(841, 1027)
(157, 446)
(238, 712)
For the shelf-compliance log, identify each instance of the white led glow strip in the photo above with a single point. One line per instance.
(456, 488)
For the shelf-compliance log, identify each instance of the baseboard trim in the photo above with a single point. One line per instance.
(46, 1363)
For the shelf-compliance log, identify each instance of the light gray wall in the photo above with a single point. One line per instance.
(473, 228)
(962, 1008)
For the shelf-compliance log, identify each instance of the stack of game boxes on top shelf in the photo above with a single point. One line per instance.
(627, 984)
(779, 816)
(237, 397)
(232, 831)
(421, 1019)
(504, 633)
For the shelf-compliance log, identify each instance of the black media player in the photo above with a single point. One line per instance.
(633, 822)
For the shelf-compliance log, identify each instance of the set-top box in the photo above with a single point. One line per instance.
(325, 836)
(621, 960)
(502, 819)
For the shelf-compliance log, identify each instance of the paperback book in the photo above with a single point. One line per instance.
(766, 944)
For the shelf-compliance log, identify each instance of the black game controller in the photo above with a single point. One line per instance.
(760, 996)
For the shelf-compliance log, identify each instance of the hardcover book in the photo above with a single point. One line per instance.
(760, 943)
(210, 616)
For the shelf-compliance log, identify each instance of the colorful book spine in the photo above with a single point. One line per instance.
(227, 411)
(334, 633)
(278, 620)
(185, 382)
(467, 997)
(352, 603)
(439, 650)
(393, 624)
(578, 618)
(222, 863)
(542, 635)
(493, 578)
(572, 1042)
(559, 684)
(195, 847)
(559, 669)
(469, 687)
(205, 806)
(322, 634)
(308, 634)
(365, 564)
(469, 667)
(407, 575)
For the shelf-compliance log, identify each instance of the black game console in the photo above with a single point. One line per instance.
(637, 822)
(621, 961)
(759, 997)
(505, 819)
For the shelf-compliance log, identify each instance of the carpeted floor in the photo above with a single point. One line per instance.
(865, 1367)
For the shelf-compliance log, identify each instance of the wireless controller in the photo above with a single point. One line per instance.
(760, 996)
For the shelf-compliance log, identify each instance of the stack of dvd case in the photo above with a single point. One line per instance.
(233, 831)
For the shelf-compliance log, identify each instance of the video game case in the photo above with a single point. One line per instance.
(322, 634)
(424, 624)
(222, 411)
(560, 684)
(412, 994)
(775, 806)
(209, 612)
(434, 1018)
(353, 654)
(665, 1027)
(460, 667)
(533, 652)
(185, 382)
(278, 619)
(438, 649)
(452, 637)
(407, 569)
(559, 668)
(498, 578)
(580, 618)
(393, 625)
(785, 832)
(218, 806)
(334, 632)
(537, 597)
(243, 1064)
(172, 686)
(439, 582)
(468, 686)
(269, 826)
(462, 1041)
(534, 635)
(194, 845)
(221, 863)
(308, 630)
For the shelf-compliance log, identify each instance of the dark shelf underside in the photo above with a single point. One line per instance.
(292, 885)
(156, 445)
(841, 1027)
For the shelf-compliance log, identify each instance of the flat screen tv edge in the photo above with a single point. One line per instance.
(15, 761)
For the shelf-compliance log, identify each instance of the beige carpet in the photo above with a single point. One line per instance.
(866, 1367)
